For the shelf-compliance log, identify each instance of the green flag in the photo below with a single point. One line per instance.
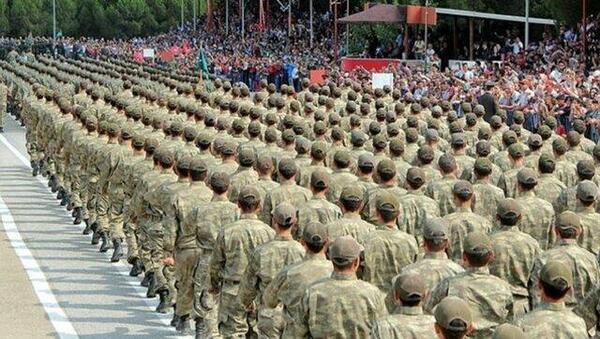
(202, 64)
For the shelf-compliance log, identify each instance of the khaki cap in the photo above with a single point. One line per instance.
(352, 192)
(386, 167)
(451, 309)
(463, 189)
(477, 243)
(249, 194)
(344, 250)
(508, 331)
(535, 140)
(568, 220)
(516, 150)
(555, 273)
(527, 176)
(508, 209)
(587, 191)
(220, 181)
(387, 202)
(246, 156)
(586, 168)
(415, 176)
(410, 286)
(320, 179)
(315, 233)
(285, 214)
(436, 229)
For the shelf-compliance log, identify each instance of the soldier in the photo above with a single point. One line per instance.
(463, 221)
(342, 305)
(288, 190)
(388, 183)
(589, 310)
(342, 176)
(364, 172)
(434, 266)
(3, 103)
(565, 170)
(228, 164)
(453, 319)
(553, 318)
(535, 144)
(291, 282)
(567, 200)
(351, 203)
(515, 253)
(180, 239)
(387, 249)
(408, 320)
(209, 219)
(587, 194)
(464, 163)
(266, 261)
(231, 256)
(508, 179)
(317, 153)
(245, 174)
(416, 207)
(317, 209)
(583, 264)
(265, 168)
(538, 214)
(575, 154)
(488, 295)
(549, 187)
(487, 195)
(508, 331)
(441, 190)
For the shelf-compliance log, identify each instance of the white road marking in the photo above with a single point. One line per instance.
(120, 267)
(57, 316)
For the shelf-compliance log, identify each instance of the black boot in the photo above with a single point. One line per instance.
(60, 194)
(199, 328)
(64, 201)
(71, 208)
(175, 320)
(105, 243)
(137, 268)
(118, 250)
(77, 211)
(88, 227)
(96, 235)
(163, 306)
(184, 327)
(147, 277)
(34, 168)
(53, 183)
(151, 293)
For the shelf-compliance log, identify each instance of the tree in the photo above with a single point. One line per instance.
(25, 17)
(4, 24)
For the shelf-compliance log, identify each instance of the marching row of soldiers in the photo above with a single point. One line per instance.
(334, 212)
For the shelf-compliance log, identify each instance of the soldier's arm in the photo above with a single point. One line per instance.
(438, 293)
(171, 222)
(249, 284)
(217, 263)
(589, 309)
(271, 294)
(265, 215)
(302, 326)
(532, 286)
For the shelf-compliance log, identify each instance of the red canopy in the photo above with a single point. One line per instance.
(388, 14)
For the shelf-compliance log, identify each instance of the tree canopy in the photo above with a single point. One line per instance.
(130, 18)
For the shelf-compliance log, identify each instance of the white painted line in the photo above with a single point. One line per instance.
(120, 267)
(57, 316)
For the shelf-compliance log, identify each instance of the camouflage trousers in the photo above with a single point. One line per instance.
(270, 322)
(205, 303)
(102, 206)
(115, 212)
(75, 188)
(164, 275)
(186, 260)
(143, 245)
(233, 320)
(3, 107)
(92, 199)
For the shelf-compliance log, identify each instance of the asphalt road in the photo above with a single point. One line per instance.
(53, 282)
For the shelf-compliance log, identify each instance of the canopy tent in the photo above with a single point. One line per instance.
(378, 14)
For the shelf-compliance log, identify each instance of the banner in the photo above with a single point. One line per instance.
(379, 80)
(148, 53)
(138, 56)
(317, 75)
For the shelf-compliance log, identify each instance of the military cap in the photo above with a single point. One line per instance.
(579, 126)
(509, 137)
(453, 309)
(320, 128)
(466, 107)
(198, 165)
(138, 140)
(380, 141)
(508, 209)
(285, 214)
(518, 117)
(436, 229)
(319, 179)
(112, 129)
(596, 152)
(516, 151)
(352, 192)
(91, 121)
(184, 163)
(508, 331)
(126, 133)
(416, 108)
(535, 141)
(425, 154)
(342, 158)
(544, 131)
(358, 138)
(546, 160)
(559, 145)
(392, 129)
(479, 110)
(318, 150)
(446, 162)
(550, 121)
(458, 139)
(410, 286)
(396, 146)
(249, 194)
(495, 122)
(568, 220)
(386, 167)
(151, 144)
(463, 189)
(302, 145)
(471, 119)
(344, 250)
(412, 135)
(246, 156)
(203, 139)
(227, 148)
(586, 168)
(485, 132)
(455, 127)
(573, 138)
(483, 166)
(315, 233)
(366, 162)
(415, 176)
(587, 191)
(527, 176)
(387, 202)
(287, 167)
(288, 136)
(432, 135)
(477, 243)
(167, 158)
(556, 274)
(238, 125)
